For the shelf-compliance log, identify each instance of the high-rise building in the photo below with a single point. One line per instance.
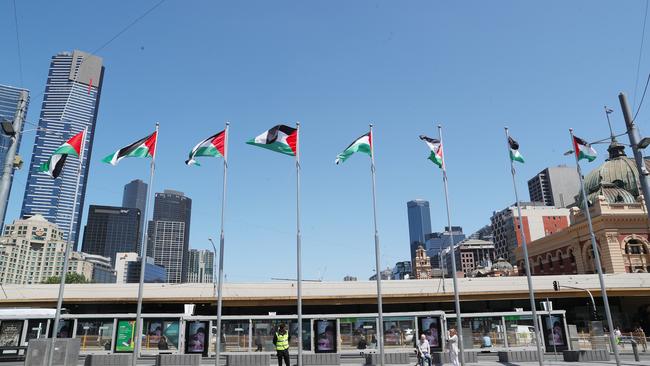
(555, 186)
(135, 196)
(402, 270)
(471, 254)
(127, 269)
(9, 104)
(33, 249)
(201, 264)
(70, 104)
(419, 224)
(437, 242)
(349, 278)
(386, 274)
(538, 221)
(169, 233)
(110, 230)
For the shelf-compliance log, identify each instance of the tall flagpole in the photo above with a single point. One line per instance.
(459, 323)
(68, 249)
(531, 292)
(221, 246)
(380, 311)
(594, 246)
(298, 245)
(143, 257)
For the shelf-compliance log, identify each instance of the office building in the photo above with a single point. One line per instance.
(419, 218)
(349, 278)
(169, 233)
(70, 104)
(110, 230)
(538, 220)
(555, 186)
(33, 249)
(9, 103)
(471, 254)
(201, 264)
(386, 274)
(402, 270)
(437, 242)
(135, 196)
(127, 269)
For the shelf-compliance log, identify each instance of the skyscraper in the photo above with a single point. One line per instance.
(201, 264)
(9, 103)
(169, 233)
(135, 196)
(555, 186)
(110, 230)
(419, 224)
(70, 104)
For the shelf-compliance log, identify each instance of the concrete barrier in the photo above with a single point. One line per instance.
(248, 360)
(438, 358)
(109, 360)
(66, 352)
(586, 355)
(321, 359)
(178, 360)
(396, 358)
(517, 356)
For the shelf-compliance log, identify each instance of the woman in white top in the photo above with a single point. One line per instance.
(452, 346)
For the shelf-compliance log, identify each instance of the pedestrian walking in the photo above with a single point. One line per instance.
(452, 346)
(281, 340)
(639, 336)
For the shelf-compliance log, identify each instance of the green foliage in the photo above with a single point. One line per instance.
(70, 277)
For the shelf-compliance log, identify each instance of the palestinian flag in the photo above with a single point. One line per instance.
(436, 150)
(143, 148)
(583, 149)
(515, 155)
(281, 138)
(213, 146)
(54, 164)
(362, 144)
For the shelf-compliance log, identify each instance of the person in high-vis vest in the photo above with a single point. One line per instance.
(281, 340)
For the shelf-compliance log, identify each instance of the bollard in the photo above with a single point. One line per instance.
(635, 349)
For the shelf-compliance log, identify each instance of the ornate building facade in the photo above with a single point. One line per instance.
(620, 223)
(422, 268)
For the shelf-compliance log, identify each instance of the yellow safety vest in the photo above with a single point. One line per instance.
(282, 341)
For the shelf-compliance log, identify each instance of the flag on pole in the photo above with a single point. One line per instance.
(362, 144)
(213, 146)
(143, 148)
(515, 155)
(280, 138)
(54, 164)
(436, 150)
(583, 149)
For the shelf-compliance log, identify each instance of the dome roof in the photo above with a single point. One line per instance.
(502, 265)
(617, 178)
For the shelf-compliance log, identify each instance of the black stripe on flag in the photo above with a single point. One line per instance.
(513, 144)
(272, 134)
(58, 166)
(129, 149)
(429, 139)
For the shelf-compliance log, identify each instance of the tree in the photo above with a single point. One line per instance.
(70, 277)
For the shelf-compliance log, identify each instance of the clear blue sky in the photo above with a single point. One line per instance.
(473, 66)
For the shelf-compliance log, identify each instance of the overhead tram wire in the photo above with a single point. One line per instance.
(20, 57)
(645, 89)
(638, 65)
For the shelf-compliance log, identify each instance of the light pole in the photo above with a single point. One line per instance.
(219, 298)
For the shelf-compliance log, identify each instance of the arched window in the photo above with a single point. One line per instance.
(549, 258)
(634, 246)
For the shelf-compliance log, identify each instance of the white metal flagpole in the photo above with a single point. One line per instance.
(68, 249)
(221, 246)
(143, 257)
(298, 245)
(524, 246)
(380, 310)
(594, 246)
(459, 323)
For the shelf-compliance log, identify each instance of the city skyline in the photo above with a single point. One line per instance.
(408, 93)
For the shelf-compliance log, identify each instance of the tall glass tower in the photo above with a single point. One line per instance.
(9, 101)
(70, 104)
(419, 224)
(135, 196)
